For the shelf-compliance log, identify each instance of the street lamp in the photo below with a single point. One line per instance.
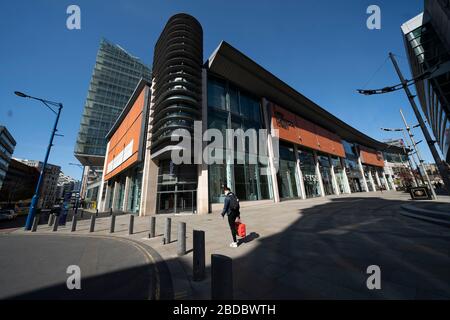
(35, 199)
(416, 149)
(405, 84)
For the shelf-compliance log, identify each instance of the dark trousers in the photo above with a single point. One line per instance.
(232, 222)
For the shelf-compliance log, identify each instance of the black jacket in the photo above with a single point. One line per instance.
(226, 205)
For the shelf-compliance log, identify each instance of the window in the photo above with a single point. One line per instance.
(308, 168)
(216, 94)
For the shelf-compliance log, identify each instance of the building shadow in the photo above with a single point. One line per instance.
(323, 254)
(134, 283)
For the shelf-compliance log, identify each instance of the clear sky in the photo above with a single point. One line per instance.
(321, 48)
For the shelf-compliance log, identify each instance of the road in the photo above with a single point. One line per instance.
(300, 249)
(34, 267)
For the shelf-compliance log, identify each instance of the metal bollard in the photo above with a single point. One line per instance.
(167, 231)
(56, 223)
(110, 211)
(152, 227)
(96, 212)
(198, 263)
(92, 223)
(35, 223)
(74, 223)
(181, 240)
(130, 228)
(51, 219)
(113, 224)
(82, 214)
(221, 277)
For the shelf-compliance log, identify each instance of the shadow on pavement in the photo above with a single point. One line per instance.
(326, 252)
(129, 284)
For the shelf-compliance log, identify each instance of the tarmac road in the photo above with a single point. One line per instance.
(34, 267)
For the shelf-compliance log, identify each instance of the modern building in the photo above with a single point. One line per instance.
(7, 145)
(66, 184)
(47, 194)
(433, 173)
(20, 183)
(115, 75)
(301, 150)
(427, 42)
(399, 167)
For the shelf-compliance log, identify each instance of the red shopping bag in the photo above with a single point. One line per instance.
(240, 227)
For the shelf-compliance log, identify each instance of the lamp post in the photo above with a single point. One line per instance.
(411, 136)
(35, 199)
(404, 84)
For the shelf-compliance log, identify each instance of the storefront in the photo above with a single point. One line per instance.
(309, 174)
(325, 172)
(287, 175)
(339, 175)
(304, 155)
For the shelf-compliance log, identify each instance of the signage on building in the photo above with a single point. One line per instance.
(125, 143)
(300, 131)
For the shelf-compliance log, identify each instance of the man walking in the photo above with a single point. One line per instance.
(231, 209)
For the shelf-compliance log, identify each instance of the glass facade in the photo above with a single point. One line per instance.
(231, 108)
(427, 50)
(308, 168)
(134, 190)
(177, 187)
(287, 173)
(352, 169)
(339, 174)
(368, 176)
(115, 76)
(325, 171)
(373, 172)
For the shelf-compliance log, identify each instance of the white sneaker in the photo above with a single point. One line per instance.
(234, 245)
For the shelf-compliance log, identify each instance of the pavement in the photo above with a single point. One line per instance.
(302, 249)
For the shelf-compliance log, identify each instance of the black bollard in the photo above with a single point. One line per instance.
(113, 224)
(221, 277)
(35, 223)
(110, 211)
(198, 263)
(152, 227)
(74, 223)
(55, 223)
(167, 231)
(96, 212)
(181, 240)
(92, 223)
(82, 214)
(130, 228)
(51, 219)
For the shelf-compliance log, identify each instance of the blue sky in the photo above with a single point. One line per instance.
(321, 48)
